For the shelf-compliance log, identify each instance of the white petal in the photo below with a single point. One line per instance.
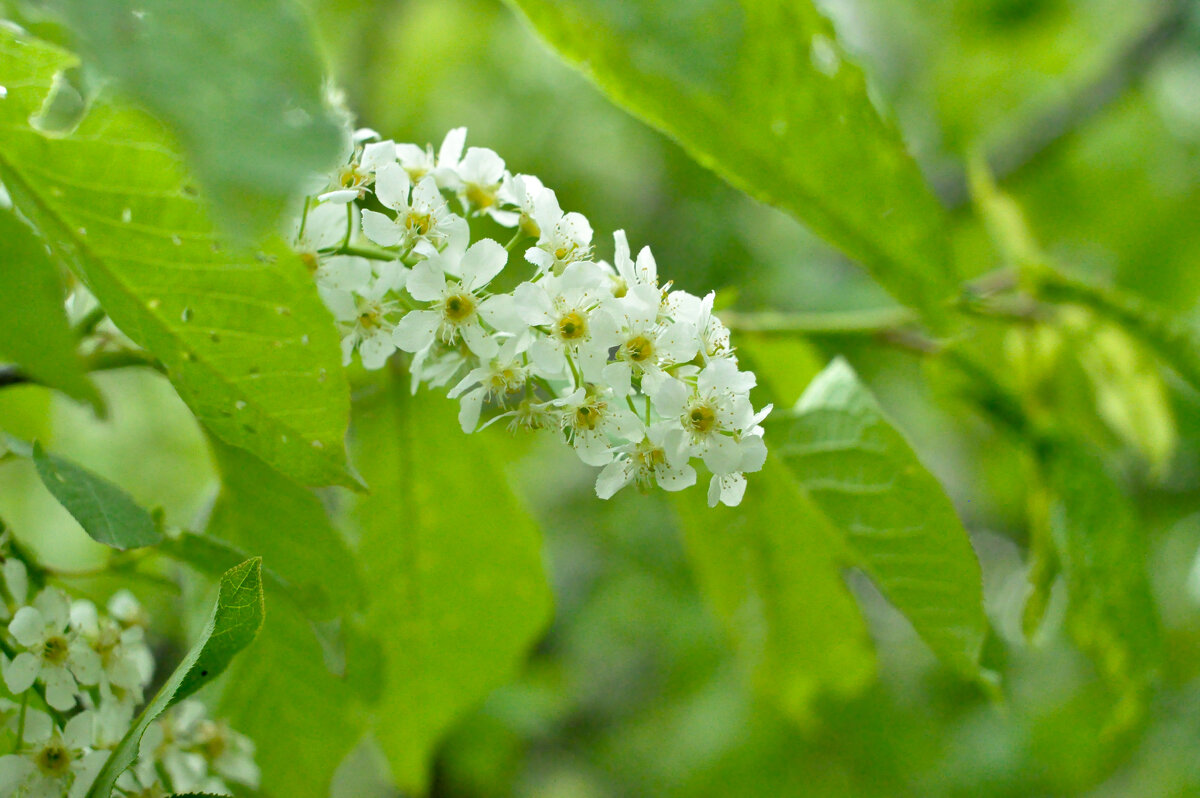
(479, 342)
(468, 412)
(427, 281)
(85, 618)
(86, 771)
(78, 731)
(16, 578)
(675, 478)
(14, 770)
(500, 311)
(392, 186)
(342, 195)
(28, 626)
(669, 396)
(722, 454)
(482, 261)
(377, 154)
(733, 488)
(416, 330)
(85, 664)
(381, 229)
(714, 490)
(325, 225)
(533, 303)
(591, 447)
(619, 375)
(753, 453)
(452, 147)
(55, 609)
(60, 688)
(376, 349)
(20, 673)
(612, 478)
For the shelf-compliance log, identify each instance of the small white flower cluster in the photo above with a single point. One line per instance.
(88, 670)
(637, 377)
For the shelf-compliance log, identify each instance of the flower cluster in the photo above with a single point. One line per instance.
(87, 671)
(637, 377)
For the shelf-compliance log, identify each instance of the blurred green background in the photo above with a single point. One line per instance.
(1091, 111)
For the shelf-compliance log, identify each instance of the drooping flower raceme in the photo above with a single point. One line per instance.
(639, 379)
(78, 676)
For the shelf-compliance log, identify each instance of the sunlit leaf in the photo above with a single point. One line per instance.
(760, 92)
(897, 521)
(243, 335)
(238, 81)
(33, 300)
(235, 620)
(455, 565)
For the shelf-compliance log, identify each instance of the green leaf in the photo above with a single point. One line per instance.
(1173, 339)
(107, 513)
(897, 521)
(760, 92)
(238, 81)
(243, 335)
(1103, 558)
(771, 569)
(297, 688)
(455, 565)
(34, 332)
(235, 620)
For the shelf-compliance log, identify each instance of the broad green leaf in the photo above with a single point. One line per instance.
(288, 695)
(771, 569)
(33, 325)
(235, 620)
(238, 81)
(1102, 554)
(455, 565)
(243, 335)
(760, 92)
(107, 513)
(897, 521)
(1173, 339)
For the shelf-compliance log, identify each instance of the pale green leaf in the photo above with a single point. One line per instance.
(235, 620)
(107, 513)
(296, 690)
(243, 335)
(455, 563)
(34, 332)
(238, 81)
(898, 523)
(771, 570)
(760, 92)
(1102, 555)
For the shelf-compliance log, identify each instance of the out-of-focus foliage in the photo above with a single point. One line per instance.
(120, 210)
(689, 656)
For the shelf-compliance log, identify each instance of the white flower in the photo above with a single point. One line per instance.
(645, 346)
(714, 414)
(423, 220)
(498, 378)
(661, 457)
(350, 181)
(591, 419)
(122, 651)
(565, 305)
(480, 175)
(729, 488)
(528, 196)
(454, 285)
(190, 746)
(420, 162)
(564, 237)
(713, 335)
(52, 653)
(365, 319)
(630, 273)
(326, 225)
(59, 765)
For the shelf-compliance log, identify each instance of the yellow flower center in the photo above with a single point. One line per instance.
(638, 349)
(480, 197)
(458, 307)
(571, 327)
(54, 759)
(700, 418)
(419, 223)
(55, 650)
(587, 416)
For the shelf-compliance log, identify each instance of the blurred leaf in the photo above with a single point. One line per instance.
(760, 92)
(235, 620)
(1102, 550)
(771, 569)
(284, 696)
(238, 81)
(455, 563)
(244, 336)
(33, 325)
(1172, 338)
(105, 512)
(898, 523)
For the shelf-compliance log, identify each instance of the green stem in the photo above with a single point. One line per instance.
(833, 323)
(21, 722)
(368, 252)
(516, 239)
(87, 325)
